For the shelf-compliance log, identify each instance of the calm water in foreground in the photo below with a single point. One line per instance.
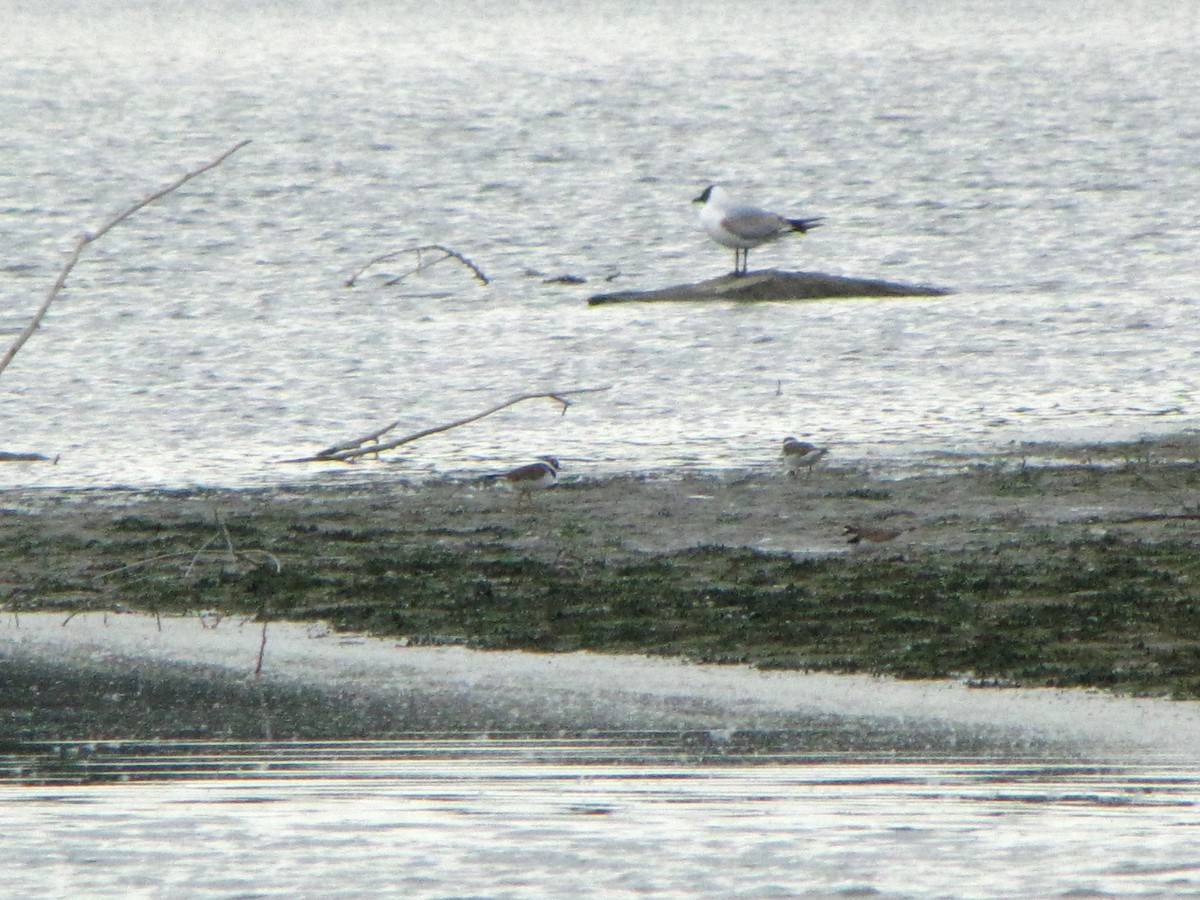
(610, 816)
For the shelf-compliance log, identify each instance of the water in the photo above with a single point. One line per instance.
(1037, 159)
(645, 776)
(611, 816)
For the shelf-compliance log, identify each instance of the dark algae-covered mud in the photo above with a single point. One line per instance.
(1078, 571)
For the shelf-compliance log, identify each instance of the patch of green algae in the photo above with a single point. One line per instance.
(1044, 606)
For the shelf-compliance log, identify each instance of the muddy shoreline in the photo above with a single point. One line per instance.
(1040, 566)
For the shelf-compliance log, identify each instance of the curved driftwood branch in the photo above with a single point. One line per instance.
(368, 444)
(447, 253)
(92, 237)
(6, 456)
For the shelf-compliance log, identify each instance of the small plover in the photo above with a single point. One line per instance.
(799, 455)
(741, 226)
(859, 533)
(535, 476)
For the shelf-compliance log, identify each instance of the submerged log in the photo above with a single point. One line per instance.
(771, 284)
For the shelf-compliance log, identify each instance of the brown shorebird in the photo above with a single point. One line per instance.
(859, 533)
(532, 477)
(799, 455)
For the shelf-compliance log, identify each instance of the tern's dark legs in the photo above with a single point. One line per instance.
(741, 260)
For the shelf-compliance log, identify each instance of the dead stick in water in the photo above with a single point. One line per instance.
(92, 237)
(449, 254)
(348, 451)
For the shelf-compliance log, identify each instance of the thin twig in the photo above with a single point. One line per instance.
(353, 449)
(88, 238)
(245, 554)
(1153, 517)
(188, 571)
(262, 651)
(449, 254)
(233, 554)
(196, 557)
(153, 559)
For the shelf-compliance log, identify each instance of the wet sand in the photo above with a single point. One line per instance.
(1040, 566)
(132, 676)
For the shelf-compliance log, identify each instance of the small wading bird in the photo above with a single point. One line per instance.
(856, 534)
(799, 455)
(741, 226)
(532, 477)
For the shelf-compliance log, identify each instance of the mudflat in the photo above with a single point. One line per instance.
(1039, 565)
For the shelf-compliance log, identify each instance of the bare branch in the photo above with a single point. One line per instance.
(88, 238)
(262, 652)
(421, 264)
(368, 444)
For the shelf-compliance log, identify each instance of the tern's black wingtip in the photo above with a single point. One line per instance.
(803, 225)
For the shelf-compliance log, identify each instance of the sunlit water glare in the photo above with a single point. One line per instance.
(1037, 159)
(648, 776)
(606, 816)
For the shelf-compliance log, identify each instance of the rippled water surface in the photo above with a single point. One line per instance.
(610, 816)
(1037, 158)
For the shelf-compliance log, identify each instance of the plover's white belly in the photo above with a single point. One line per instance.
(795, 463)
(535, 483)
(799, 455)
(533, 477)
